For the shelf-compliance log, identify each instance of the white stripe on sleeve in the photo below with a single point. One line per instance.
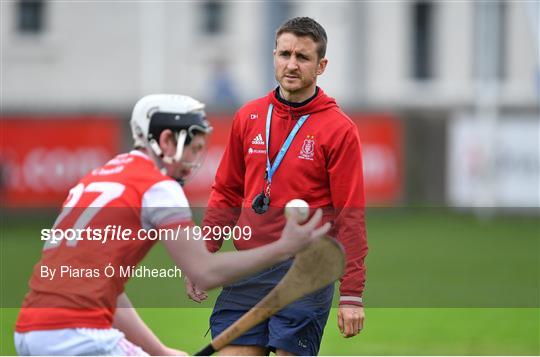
(351, 299)
(164, 203)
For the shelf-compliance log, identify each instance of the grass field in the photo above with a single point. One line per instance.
(439, 283)
(413, 331)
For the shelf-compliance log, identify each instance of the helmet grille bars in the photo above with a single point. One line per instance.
(190, 122)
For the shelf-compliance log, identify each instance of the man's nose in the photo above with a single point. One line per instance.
(292, 63)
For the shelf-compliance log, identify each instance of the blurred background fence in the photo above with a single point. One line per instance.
(446, 98)
(445, 94)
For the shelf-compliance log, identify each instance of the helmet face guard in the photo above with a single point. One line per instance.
(184, 126)
(190, 122)
(191, 160)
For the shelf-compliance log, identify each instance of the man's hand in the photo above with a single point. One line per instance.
(350, 320)
(193, 292)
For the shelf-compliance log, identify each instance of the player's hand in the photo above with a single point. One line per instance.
(296, 237)
(194, 293)
(350, 320)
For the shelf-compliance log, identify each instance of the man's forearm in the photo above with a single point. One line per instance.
(208, 271)
(230, 266)
(352, 234)
(220, 214)
(129, 322)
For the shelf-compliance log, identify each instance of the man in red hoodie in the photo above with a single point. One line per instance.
(293, 143)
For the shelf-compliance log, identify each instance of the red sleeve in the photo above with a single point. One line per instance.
(227, 194)
(347, 189)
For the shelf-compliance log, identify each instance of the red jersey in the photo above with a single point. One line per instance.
(127, 194)
(323, 166)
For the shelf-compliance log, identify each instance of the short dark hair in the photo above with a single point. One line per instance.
(306, 26)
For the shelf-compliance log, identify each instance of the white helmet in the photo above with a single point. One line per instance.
(154, 113)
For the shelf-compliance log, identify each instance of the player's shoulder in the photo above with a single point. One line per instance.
(165, 193)
(140, 164)
(133, 169)
(163, 204)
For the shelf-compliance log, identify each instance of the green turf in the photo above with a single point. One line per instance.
(439, 283)
(387, 331)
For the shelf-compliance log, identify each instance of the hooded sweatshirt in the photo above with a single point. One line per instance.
(323, 166)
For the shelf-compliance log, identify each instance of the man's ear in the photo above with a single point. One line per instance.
(322, 66)
(167, 142)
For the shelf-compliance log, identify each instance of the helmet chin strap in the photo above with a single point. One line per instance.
(161, 158)
(182, 135)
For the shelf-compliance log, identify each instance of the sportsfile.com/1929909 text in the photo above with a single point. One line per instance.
(116, 233)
